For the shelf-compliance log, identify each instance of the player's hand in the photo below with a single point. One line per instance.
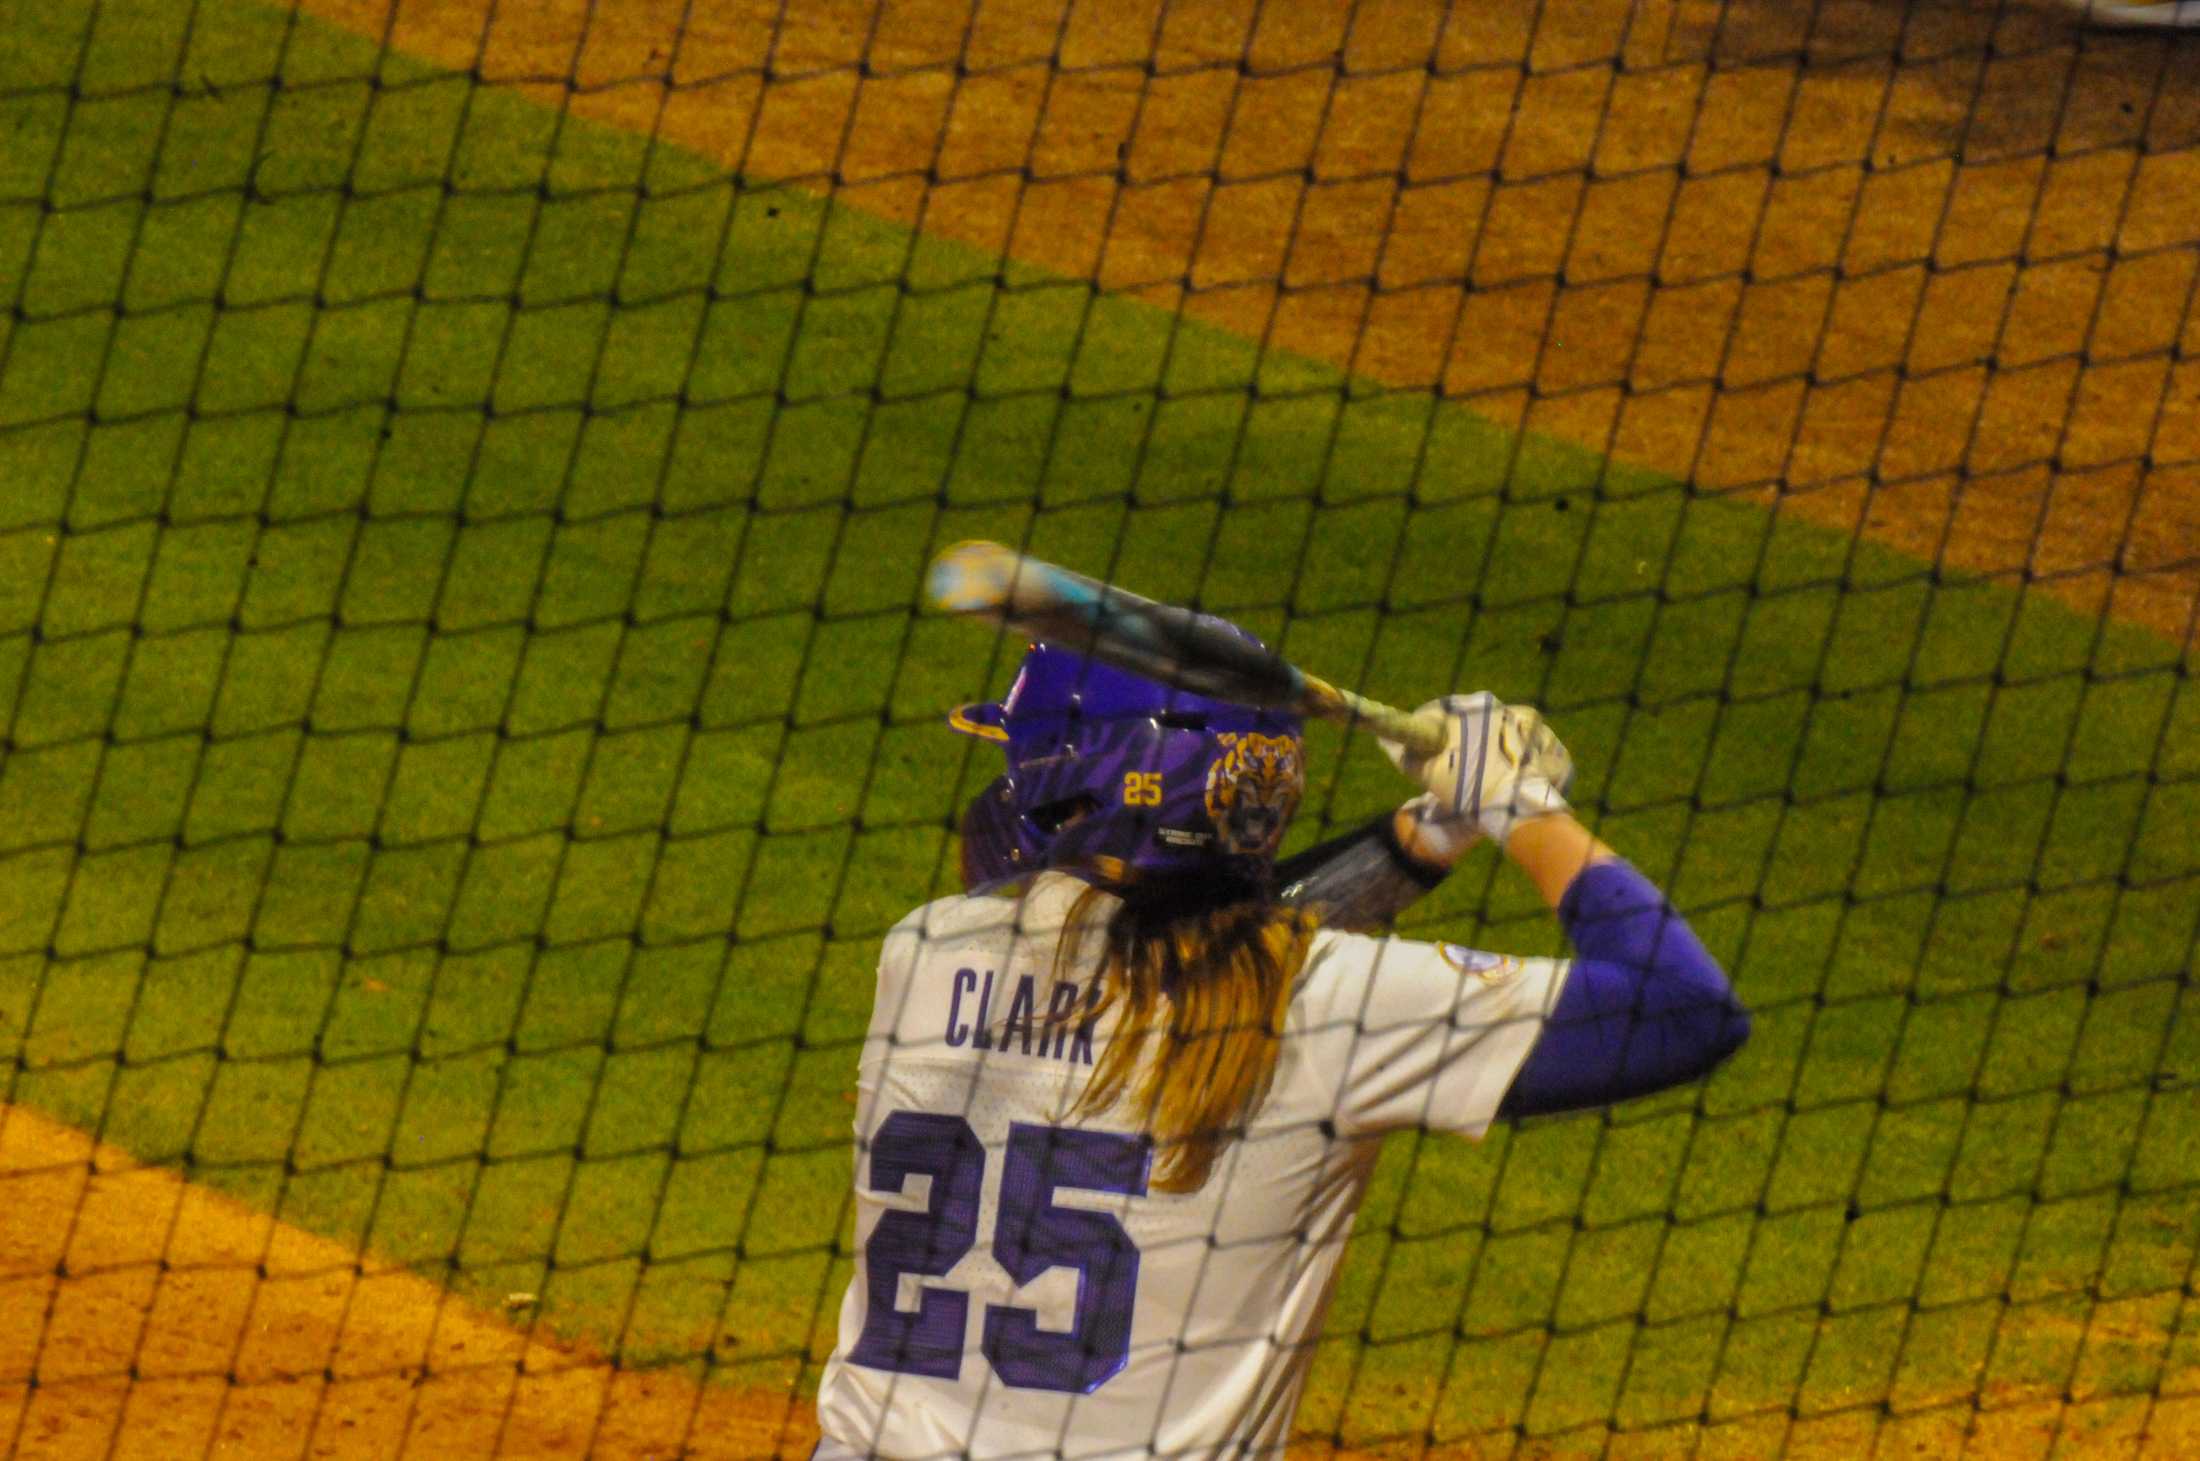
(1500, 764)
(1432, 836)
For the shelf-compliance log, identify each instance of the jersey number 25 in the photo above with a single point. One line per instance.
(1031, 1235)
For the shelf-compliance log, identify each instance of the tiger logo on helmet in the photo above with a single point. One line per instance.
(1123, 779)
(1253, 788)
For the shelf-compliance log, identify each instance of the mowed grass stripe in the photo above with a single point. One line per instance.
(467, 727)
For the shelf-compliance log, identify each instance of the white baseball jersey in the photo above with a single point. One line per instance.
(1019, 1290)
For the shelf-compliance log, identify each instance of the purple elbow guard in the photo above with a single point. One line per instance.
(1645, 1006)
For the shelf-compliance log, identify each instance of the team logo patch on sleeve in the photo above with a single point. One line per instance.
(1488, 967)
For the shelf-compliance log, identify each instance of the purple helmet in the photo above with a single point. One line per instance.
(1167, 782)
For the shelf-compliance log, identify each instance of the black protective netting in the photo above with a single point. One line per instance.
(468, 713)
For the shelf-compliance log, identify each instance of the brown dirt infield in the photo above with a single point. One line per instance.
(144, 1317)
(1926, 272)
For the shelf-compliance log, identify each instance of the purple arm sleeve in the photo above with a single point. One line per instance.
(1645, 1006)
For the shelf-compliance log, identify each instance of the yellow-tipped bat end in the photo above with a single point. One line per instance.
(972, 577)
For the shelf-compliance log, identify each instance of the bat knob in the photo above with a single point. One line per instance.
(972, 577)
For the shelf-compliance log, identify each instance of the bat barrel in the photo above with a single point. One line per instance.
(1174, 645)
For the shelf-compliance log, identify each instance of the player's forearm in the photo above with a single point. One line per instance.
(1360, 882)
(1644, 1007)
(1364, 879)
(1553, 851)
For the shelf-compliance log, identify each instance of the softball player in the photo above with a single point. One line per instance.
(1119, 1103)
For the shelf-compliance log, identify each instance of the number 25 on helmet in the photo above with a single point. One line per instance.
(1121, 779)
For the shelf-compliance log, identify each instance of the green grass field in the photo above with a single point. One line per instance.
(467, 725)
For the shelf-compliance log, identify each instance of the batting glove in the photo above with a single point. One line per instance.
(1500, 765)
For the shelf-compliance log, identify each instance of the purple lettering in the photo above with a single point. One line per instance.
(1019, 1017)
(981, 1037)
(957, 1032)
(1060, 1005)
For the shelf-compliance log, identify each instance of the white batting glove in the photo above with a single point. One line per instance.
(1432, 835)
(1501, 765)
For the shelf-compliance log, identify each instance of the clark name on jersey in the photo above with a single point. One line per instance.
(1020, 1291)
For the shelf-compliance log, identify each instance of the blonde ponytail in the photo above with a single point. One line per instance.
(1201, 996)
